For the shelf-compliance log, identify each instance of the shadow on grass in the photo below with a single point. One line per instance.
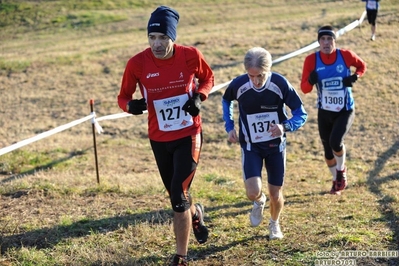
(386, 202)
(49, 237)
(51, 164)
(44, 167)
(196, 255)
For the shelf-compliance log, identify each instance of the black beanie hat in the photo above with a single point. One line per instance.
(164, 20)
(326, 30)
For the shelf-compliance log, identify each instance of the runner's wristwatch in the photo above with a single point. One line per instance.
(286, 127)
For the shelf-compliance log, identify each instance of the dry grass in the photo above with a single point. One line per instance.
(54, 213)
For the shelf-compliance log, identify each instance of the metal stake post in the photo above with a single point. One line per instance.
(94, 140)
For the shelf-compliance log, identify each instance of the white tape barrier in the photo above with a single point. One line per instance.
(311, 46)
(45, 134)
(99, 129)
(314, 45)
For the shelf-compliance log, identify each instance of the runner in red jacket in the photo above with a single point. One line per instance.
(173, 81)
(330, 70)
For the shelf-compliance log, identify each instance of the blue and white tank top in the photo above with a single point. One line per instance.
(332, 94)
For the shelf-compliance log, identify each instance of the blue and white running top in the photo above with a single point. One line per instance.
(332, 95)
(259, 108)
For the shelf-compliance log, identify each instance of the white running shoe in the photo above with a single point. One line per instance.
(275, 231)
(256, 215)
(372, 37)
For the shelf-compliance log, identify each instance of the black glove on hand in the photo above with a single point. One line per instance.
(313, 77)
(193, 105)
(137, 107)
(348, 81)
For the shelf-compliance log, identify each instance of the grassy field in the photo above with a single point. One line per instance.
(57, 55)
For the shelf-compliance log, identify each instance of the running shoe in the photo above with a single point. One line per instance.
(341, 180)
(333, 191)
(199, 228)
(179, 261)
(256, 215)
(275, 231)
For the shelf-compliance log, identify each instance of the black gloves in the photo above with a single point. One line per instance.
(348, 81)
(137, 107)
(193, 105)
(313, 77)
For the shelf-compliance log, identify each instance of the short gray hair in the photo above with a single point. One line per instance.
(258, 57)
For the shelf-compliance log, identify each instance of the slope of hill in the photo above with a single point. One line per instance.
(56, 55)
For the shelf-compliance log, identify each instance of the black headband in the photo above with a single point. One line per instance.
(322, 32)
